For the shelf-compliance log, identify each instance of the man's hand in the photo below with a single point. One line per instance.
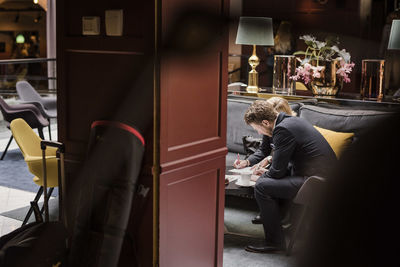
(240, 164)
(259, 171)
(254, 178)
(265, 162)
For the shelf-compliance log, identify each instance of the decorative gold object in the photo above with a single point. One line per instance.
(284, 68)
(254, 31)
(328, 84)
(372, 77)
(254, 61)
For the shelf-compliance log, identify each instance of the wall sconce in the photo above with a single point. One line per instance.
(35, 2)
(254, 31)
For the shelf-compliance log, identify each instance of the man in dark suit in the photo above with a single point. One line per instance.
(296, 142)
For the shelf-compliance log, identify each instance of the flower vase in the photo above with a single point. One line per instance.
(284, 68)
(328, 84)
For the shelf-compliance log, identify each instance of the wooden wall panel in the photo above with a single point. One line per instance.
(191, 200)
(191, 111)
(96, 72)
(94, 76)
(85, 88)
(138, 15)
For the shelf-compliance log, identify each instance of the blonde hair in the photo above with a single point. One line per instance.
(281, 105)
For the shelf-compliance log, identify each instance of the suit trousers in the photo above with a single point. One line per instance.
(268, 192)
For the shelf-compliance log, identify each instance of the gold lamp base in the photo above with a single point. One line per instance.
(253, 75)
(252, 89)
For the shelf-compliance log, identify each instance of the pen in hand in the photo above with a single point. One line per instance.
(237, 161)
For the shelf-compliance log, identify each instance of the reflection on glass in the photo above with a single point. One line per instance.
(372, 79)
(284, 68)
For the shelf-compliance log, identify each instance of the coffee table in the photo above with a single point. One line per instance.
(233, 189)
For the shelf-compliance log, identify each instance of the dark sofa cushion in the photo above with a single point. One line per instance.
(236, 127)
(295, 106)
(342, 120)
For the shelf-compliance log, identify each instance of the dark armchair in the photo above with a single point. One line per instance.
(308, 196)
(46, 105)
(29, 112)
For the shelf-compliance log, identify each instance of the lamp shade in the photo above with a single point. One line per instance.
(394, 39)
(255, 31)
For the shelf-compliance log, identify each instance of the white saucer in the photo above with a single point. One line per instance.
(252, 183)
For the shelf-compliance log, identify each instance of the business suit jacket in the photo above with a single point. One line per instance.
(263, 151)
(297, 142)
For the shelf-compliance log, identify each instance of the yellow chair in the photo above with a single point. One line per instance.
(29, 143)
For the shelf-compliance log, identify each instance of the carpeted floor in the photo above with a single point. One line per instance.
(236, 256)
(14, 173)
(240, 232)
(238, 214)
(19, 214)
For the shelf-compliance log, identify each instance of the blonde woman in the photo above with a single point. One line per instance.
(281, 105)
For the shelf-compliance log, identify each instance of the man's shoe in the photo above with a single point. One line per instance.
(265, 249)
(256, 220)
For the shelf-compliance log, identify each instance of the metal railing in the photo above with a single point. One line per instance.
(40, 72)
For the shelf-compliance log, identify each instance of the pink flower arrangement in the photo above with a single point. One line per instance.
(345, 69)
(307, 72)
(317, 51)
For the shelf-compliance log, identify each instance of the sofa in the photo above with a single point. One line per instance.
(339, 118)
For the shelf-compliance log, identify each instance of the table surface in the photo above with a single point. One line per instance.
(234, 190)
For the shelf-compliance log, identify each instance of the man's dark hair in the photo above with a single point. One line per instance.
(260, 110)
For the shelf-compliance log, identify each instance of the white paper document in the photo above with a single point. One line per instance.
(232, 178)
(246, 170)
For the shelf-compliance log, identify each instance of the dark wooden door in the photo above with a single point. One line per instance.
(192, 147)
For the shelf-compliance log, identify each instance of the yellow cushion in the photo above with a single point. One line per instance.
(337, 140)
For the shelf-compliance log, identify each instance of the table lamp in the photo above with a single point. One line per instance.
(254, 31)
(394, 39)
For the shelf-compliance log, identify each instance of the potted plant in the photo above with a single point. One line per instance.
(323, 66)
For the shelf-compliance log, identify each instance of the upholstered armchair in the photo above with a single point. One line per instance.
(29, 112)
(46, 105)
